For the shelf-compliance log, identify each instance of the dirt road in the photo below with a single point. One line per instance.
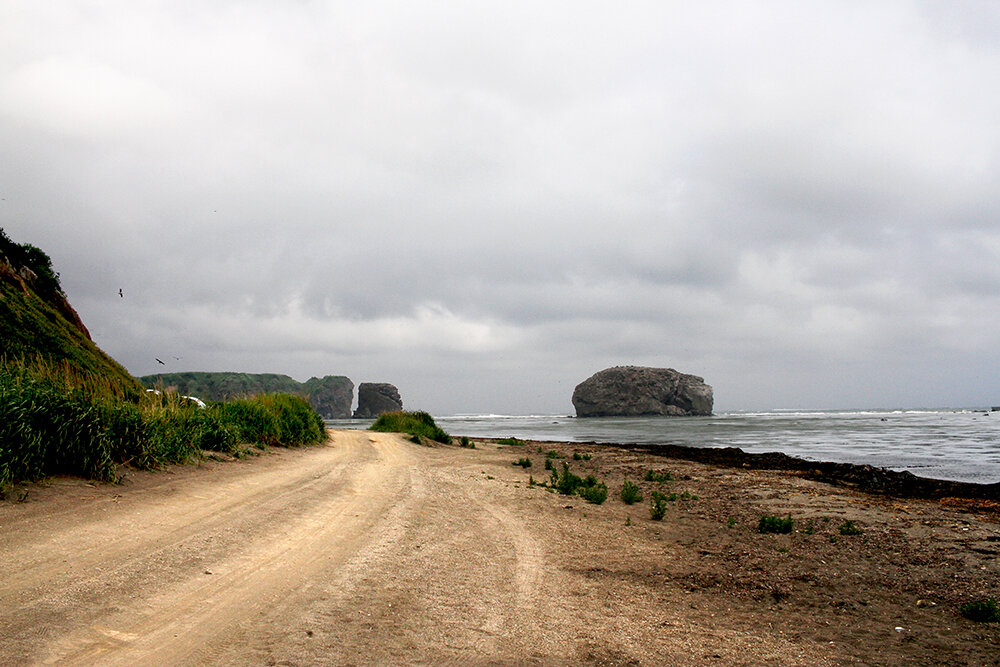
(374, 550)
(296, 558)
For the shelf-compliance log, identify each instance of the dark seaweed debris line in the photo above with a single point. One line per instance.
(902, 484)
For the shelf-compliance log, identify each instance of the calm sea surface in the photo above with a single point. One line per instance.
(962, 445)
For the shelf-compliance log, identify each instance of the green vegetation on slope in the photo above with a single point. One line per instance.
(38, 325)
(417, 424)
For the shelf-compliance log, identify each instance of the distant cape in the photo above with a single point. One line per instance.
(331, 396)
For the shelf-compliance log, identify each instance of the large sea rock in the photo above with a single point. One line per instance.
(374, 398)
(634, 391)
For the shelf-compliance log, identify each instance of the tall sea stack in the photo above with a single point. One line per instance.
(374, 398)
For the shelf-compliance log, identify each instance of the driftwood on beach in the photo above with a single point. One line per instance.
(868, 478)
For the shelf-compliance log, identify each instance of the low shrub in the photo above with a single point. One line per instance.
(589, 488)
(848, 528)
(553, 454)
(511, 441)
(985, 610)
(577, 456)
(566, 483)
(657, 506)
(419, 424)
(631, 493)
(775, 524)
(524, 463)
(660, 477)
(595, 493)
(465, 442)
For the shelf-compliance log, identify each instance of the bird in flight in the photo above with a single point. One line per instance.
(121, 293)
(159, 361)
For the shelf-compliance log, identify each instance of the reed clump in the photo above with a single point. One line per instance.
(417, 424)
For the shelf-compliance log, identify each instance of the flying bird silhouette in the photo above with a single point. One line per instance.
(159, 361)
(120, 293)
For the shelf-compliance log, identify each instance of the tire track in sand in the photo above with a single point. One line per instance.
(275, 533)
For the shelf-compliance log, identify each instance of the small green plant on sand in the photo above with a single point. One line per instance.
(848, 528)
(548, 464)
(731, 522)
(982, 611)
(465, 442)
(657, 476)
(511, 441)
(553, 454)
(589, 489)
(565, 483)
(523, 462)
(657, 506)
(775, 524)
(577, 456)
(631, 493)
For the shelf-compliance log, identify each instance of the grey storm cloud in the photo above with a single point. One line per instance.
(485, 203)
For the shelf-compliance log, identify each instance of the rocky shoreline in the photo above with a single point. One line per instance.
(872, 479)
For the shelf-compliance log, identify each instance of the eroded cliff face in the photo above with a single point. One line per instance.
(634, 391)
(374, 398)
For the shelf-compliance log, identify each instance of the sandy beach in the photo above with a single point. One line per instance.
(376, 550)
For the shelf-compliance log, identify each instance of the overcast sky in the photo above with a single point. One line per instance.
(484, 203)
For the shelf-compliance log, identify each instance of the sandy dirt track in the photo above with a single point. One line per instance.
(375, 550)
(293, 558)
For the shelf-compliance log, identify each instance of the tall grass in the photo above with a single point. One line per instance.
(56, 421)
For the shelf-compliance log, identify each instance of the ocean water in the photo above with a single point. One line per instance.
(960, 445)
